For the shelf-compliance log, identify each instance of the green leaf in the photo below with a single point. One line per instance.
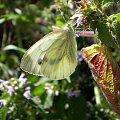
(98, 2)
(117, 32)
(115, 18)
(2, 6)
(104, 35)
(59, 21)
(15, 17)
(4, 70)
(42, 80)
(13, 47)
(3, 113)
(103, 2)
(118, 17)
(10, 16)
(108, 5)
(48, 102)
(39, 90)
(75, 104)
(106, 1)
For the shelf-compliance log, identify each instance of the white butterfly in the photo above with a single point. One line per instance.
(54, 55)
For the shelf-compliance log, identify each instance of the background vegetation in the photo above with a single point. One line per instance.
(27, 97)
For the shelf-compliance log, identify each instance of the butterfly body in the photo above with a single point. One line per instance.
(54, 56)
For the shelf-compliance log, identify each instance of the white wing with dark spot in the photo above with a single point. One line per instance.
(54, 56)
(34, 55)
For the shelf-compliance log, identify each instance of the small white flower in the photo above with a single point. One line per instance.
(27, 94)
(28, 88)
(15, 82)
(16, 88)
(1, 86)
(3, 102)
(18, 11)
(3, 82)
(79, 18)
(11, 108)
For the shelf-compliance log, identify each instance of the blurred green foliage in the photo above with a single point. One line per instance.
(28, 97)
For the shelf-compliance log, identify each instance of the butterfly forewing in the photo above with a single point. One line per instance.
(34, 55)
(55, 55)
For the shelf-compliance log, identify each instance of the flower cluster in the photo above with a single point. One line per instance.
(5, 85)
(12, 86)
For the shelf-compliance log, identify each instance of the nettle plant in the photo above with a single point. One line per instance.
(104, 68)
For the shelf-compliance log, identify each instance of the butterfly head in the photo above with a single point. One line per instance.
(69, 28)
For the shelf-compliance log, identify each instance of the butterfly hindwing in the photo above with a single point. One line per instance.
(61, 57)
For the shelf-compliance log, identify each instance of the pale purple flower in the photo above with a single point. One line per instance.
(49, 91)
(76, 93)
(3, 102)
(79, 18)
(70, 93)
(27, 94)
(80, 57)
(22, 80)
(10, 90)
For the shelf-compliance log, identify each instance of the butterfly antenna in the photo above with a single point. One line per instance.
(62, 13)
